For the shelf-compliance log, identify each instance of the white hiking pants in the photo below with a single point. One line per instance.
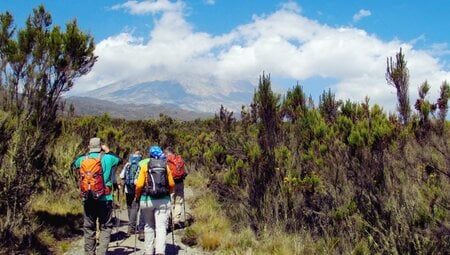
(156, 214)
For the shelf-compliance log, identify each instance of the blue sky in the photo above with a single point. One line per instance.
(209, 45)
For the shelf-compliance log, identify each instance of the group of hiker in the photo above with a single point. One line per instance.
(154, 190)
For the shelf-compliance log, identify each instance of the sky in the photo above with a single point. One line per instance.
(212, 46)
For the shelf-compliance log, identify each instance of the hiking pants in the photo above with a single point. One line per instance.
(102, 211)
(141, 225)
(178, 201)
(133, 208)
(156, 215)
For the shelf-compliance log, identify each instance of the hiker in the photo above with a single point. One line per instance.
(96, 194)
(153, 189)
(129, 176)
(179, 172)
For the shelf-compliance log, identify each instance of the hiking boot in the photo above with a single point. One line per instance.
(130, 232)
(178, 225)
(141, 236)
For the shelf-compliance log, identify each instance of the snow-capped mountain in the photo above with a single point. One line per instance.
(171, 93)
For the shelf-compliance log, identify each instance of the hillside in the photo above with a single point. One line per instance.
(96, 107)
(173, 94)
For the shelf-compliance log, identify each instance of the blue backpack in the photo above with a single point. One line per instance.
(131, 172)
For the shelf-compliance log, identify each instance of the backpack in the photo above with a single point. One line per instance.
(176, 166)
(130, 172)
(92, 185)
(157, 180)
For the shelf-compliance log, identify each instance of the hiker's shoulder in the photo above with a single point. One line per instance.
(143, 162)
(111, 157)
(78, 159)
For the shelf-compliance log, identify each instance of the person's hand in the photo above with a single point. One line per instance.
(105, 148)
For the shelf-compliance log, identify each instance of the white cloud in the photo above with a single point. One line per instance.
(210, 2)
(361, 14)
(150, 6)
(440, 49)
(285, 44)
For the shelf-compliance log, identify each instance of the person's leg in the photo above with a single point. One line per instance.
(132, 207)
(106, 226)
(141, 223)
(178, 203)
(162, 212)
(147, 210)
(140, 227)
(89, 228)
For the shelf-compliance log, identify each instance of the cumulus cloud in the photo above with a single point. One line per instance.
(284, 43)
(361, 14)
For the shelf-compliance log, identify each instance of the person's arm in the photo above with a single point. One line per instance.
(77, 162)
(122, 173)
(106, 150)
(109, 162)
(171, 181)
(140, 182)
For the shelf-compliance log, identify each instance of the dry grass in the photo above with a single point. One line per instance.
(59, 219)
(58, 204)
(213, 231)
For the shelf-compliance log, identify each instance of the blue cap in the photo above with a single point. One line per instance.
(155, 151)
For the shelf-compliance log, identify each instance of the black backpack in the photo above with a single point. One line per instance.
(157, 181)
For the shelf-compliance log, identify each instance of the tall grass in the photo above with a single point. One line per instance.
(214, 231)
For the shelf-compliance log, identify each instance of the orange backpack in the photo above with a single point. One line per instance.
(176, 166)
(92, 185)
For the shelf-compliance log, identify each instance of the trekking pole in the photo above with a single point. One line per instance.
(184, 209)
(115, 217)
(135, 230)
(173, 228)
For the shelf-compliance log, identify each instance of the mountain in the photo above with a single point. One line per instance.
(172, 93)
(92, 106)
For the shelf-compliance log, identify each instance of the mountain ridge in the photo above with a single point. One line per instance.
(171, 93)
(95, 107)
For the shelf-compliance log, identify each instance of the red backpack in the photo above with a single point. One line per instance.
(176, 166)
(92, 184)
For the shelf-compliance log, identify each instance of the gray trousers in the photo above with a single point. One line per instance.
(178, 203)
(133, 209)
(102, 211)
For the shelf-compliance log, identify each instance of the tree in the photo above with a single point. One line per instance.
(423, 106)
(442, 103)
(397, 75)
(38, 64)
(267, 106)
(294, 104)
(328, 106)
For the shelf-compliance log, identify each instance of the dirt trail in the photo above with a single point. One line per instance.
(122, 245)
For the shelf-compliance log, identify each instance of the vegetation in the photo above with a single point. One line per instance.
(287, 178)
(38, 63)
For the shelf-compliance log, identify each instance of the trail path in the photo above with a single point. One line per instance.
(122, 245)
